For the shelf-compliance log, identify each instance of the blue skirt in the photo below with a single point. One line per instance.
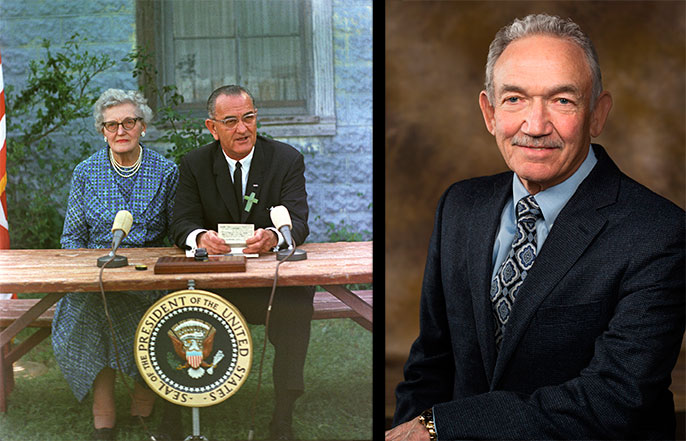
(82, 339)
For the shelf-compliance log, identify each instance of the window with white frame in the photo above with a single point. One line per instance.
(280, 50)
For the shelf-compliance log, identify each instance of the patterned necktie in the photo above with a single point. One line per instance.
(513, 271)
(238, 184)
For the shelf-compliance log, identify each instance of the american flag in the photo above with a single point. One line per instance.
(4, 233)
(194, 358)
(4, 227)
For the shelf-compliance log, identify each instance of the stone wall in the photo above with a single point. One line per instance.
(339, 167)
(109, 27)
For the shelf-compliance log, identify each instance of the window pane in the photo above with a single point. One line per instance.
(257, 43)
(202, 65)
(206, 18)
(268, 17)
(272, 68)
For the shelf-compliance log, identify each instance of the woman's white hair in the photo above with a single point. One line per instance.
(115, 97)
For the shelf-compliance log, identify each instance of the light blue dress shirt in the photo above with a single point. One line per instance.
(551, 200)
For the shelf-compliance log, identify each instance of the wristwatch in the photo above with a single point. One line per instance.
(427, 419)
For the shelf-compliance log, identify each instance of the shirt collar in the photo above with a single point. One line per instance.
(245, 162)
(552, 200)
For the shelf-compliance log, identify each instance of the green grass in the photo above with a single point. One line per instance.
(337, 403)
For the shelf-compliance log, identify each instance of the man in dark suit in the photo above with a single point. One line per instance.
(553, 297)
(236, 179)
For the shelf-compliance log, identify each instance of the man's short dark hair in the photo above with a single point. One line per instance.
(231, 90)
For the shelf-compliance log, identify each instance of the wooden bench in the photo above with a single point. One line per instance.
(12, 309)
(326, 306)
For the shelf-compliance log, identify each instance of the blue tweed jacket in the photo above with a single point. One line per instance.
(95, 199)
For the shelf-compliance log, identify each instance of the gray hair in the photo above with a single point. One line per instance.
(231, 90)
(115, 97)
(543, 24)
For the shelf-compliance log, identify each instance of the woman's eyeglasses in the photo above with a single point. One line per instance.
(127, 124)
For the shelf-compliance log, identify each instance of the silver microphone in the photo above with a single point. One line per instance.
(120, 228)
(282, 221)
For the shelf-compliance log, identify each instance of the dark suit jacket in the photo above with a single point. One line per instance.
(593, 336)
(205, 197)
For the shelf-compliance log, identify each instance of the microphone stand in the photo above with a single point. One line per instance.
(112, 260)
(115, 262)
(290, 254)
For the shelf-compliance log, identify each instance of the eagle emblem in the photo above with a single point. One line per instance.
(193, 340)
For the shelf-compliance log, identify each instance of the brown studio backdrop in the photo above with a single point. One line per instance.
(435, 134)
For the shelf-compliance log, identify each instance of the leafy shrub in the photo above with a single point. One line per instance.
(42, 121)
(45, 120)
(179, 131)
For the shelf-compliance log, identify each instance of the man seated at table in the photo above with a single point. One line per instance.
(270, 173)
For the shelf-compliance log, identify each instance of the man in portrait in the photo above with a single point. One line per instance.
(552, 303)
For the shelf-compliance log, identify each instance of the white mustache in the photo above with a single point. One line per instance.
(544, 142)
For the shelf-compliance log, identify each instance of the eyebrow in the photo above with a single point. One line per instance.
(114, 120)
(562, 88)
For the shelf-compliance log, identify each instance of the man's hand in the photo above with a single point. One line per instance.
(211, 241)
(412, 430)
(261, 242)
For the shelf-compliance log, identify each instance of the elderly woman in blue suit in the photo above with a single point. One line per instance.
(123, 175)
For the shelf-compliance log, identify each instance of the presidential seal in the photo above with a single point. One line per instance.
(193, 348)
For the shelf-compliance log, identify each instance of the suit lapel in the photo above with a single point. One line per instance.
(224, 183)
(255, 179)
(576, 226)
(481, 239)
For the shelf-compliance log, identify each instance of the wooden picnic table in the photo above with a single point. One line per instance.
(59, 271)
